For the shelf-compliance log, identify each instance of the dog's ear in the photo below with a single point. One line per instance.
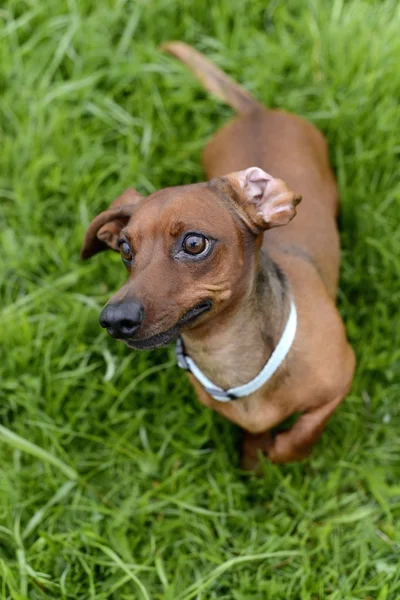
(262, 201)
(103, 231)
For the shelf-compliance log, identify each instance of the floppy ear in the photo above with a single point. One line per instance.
(103, 231)
(262, 201)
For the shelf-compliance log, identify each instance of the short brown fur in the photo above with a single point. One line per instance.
(250, 275)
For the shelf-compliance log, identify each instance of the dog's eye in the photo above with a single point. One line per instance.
(195, 244)
(126, 252)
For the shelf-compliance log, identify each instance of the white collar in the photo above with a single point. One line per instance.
(274, 362)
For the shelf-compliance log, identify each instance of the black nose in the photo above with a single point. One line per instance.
(122, 319)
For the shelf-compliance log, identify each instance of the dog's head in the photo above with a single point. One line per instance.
(190, 251)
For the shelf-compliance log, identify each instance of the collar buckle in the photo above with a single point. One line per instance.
(181, 356)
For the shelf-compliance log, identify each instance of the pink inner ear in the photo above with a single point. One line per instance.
(274, 201)
(254, 182)
(257, 183)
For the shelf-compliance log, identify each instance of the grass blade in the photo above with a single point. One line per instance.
(19, 443)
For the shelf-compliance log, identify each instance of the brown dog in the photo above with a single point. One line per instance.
(254, 312)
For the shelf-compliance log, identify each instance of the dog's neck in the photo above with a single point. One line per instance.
(232, 350)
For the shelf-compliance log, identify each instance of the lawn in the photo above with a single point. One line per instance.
(114, 482)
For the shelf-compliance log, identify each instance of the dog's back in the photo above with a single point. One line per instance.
(284, 145)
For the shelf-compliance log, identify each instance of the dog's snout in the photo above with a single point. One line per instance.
(123, 319)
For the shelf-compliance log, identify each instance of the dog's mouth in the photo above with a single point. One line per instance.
(195, 312)
(163, 339)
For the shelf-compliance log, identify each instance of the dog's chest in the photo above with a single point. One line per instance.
(256, 413)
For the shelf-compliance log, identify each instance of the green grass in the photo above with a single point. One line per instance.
(114, 482)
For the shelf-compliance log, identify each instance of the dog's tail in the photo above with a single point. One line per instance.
(213, 79)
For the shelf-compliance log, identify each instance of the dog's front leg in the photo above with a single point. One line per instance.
(297, 442)
(252, 446)
(292, 445)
